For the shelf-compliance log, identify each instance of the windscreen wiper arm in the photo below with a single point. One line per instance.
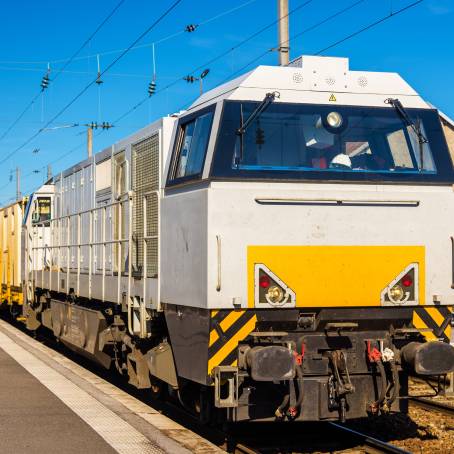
(269, 98)
(422, 139)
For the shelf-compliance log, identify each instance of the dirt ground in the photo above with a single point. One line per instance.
(421, 431)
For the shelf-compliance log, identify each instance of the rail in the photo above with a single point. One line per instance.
(428, 404)
(371, 442)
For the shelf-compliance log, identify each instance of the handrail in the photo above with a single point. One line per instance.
(218, 241)
(128, 301)
(452, 262)
(335, 202)
(89, 210)
(145, 240)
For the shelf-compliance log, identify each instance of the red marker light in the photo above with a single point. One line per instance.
(407, 281)
(264, 281)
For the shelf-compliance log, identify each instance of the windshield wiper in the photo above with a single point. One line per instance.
(422, 139)
(269, 99)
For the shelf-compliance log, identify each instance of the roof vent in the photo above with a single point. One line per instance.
(330, 81)
(298, 78)
(362, 81)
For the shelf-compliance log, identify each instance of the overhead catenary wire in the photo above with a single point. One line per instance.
(87, 41)
(92, 35)
(141, 46)
(91, 83)
(212, 60)
(90, 73)
(368, 27)
(68, 62)
(20, 116)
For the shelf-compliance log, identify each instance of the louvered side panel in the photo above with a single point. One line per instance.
(146, 179)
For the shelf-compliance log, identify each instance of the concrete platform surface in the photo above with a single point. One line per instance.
(49, 404)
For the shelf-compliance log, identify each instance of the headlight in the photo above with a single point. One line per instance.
(334, 119)
(275, 294)
(403, 289)
(397, 293)
(270, 290)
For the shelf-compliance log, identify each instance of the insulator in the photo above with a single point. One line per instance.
(151, 88)
(45, 82)
(190, 28)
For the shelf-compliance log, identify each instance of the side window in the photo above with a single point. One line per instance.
(192, 146)
(41, 210)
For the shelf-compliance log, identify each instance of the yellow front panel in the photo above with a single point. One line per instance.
(336, 275)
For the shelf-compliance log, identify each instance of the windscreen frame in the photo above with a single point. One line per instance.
(221, 165)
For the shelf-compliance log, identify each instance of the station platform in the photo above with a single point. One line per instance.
(49, 404)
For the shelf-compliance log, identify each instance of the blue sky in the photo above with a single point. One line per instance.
(418, 44)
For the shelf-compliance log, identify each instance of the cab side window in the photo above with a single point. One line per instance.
(41, 210)
(192, 145)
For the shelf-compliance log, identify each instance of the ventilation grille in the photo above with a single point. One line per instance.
(362, 81)
(330, 81)
(146, 179)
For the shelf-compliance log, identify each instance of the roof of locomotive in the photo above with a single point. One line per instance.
(310, 79)
(118, 146)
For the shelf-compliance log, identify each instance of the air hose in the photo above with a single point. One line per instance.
(375, 406)
(280, 411)
(292, 411)
(396, 383)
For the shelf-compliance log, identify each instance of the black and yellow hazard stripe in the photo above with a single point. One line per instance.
(431, 319)
(227, 329)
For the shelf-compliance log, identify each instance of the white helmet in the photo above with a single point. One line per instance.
(341, 161)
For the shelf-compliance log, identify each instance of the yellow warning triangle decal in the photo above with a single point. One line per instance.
(332, 98)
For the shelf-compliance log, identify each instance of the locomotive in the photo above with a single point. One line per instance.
(281, 250)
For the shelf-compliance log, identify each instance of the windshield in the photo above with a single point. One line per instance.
(330, 142)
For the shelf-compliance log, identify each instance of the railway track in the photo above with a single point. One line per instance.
(370, 444)
(429, 404)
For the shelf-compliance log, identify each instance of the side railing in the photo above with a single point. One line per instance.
(50, 256)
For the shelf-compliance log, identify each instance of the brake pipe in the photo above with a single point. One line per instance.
(374, 356)
(293, 411)
(396, 383)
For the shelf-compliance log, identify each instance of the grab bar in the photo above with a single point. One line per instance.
(337, 202)
(452, 262)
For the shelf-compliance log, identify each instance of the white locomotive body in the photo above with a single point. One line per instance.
(279, 246)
